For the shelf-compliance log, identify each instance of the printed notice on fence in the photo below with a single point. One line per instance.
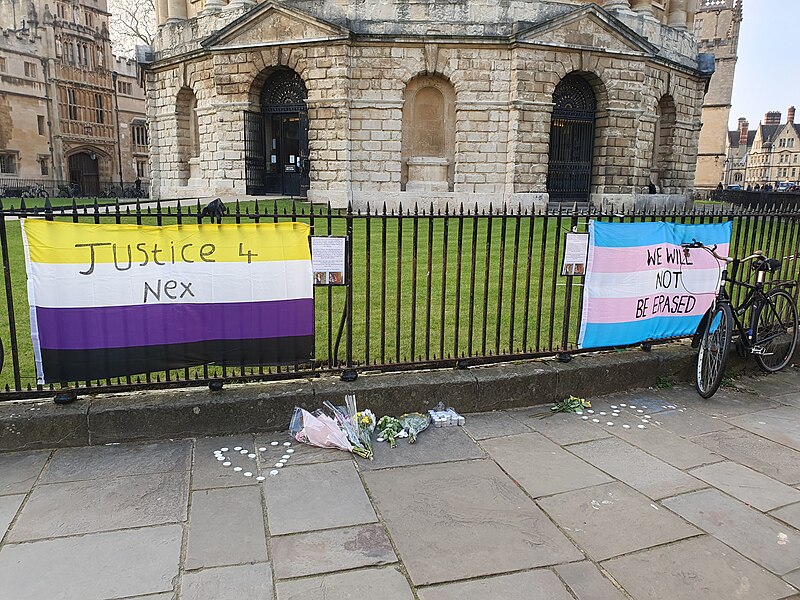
(328, 260)
(575, 252)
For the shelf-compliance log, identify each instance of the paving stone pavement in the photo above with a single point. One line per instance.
(664, 496)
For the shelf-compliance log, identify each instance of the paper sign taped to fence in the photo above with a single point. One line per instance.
(328, 260)
(575, 250)
(641, 285)
(109, 300)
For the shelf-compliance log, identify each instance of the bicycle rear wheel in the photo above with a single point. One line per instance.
(775, 331)
(714, 347)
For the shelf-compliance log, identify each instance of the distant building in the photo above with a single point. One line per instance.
(717, 25)
(740, 142)
(70, 112)
(517, 102)
(774, 153)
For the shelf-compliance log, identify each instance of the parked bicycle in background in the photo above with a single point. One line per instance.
(768, 331)
(36, 191)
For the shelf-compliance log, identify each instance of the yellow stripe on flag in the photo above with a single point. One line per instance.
(81, 243)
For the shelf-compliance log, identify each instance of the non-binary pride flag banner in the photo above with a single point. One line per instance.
(109, 300)
(640, 285)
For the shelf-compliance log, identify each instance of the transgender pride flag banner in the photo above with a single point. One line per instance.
(640, 285)
(109, 300)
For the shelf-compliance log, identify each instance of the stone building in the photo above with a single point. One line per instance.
(521, 102)
(70, 112)
(717, 26)
(774, 155)
(740, 142)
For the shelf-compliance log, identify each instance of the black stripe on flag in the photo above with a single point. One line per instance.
(61, 366)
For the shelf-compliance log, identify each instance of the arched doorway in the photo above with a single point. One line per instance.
(569, 174)
(276, 138)
(84, 174)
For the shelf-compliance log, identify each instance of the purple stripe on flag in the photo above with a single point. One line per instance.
(156, 324)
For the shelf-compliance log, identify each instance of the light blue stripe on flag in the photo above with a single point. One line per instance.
(608, 335)
(626, 235)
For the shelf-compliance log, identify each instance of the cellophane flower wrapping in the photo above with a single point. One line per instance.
(413, 423)
(318, 429)
(346, 419)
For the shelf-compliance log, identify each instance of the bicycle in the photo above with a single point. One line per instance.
(771, 336)
(35, 191)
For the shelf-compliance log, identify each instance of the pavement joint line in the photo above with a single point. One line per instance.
(145, 596)
(563, 581)
(730, 548)
(536, 504)
(337, 528)
(262, 492)
(178, 580)
(88, 533)
(396, 563)
(747, 431)
(373, 503)
(700, 533)
(548, 567)
(128, 476)
(225, 566)
(4, 538)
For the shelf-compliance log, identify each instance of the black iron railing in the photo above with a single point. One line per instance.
(756, 199)
(425, 289)
(16, 187)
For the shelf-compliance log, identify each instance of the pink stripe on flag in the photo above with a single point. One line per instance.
(626, 260)
(621, 310)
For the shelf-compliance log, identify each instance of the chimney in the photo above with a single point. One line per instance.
(773, 117)
(744, 128)
(790, 115)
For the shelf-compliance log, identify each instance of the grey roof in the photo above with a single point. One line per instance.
(769, 132)
(733, 138)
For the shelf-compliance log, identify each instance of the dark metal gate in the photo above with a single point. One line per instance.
(276, 138)
(255, 156)
(569, 175)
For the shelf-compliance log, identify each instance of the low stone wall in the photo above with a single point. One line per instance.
(197, 412)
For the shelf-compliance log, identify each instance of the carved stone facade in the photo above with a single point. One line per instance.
(717, 27)
(70, 111)
(425, 102)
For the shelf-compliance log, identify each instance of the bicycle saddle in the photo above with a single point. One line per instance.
(770, 265)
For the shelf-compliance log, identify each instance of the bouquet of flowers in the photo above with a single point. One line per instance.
(332, 427)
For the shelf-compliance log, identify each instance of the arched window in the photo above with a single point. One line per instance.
(428, 146)
(569, 172)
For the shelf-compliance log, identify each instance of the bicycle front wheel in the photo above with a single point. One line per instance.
(775, 331)
(714, 347)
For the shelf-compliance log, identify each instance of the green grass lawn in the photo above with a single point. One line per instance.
(419, 294)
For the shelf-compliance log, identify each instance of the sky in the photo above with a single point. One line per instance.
(767, 75)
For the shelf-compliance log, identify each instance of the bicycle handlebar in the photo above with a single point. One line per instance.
(713, 250)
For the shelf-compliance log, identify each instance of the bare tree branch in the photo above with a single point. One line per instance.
(132, 22)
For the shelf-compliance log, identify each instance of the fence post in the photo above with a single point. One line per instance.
(12, 325)
(349, 373)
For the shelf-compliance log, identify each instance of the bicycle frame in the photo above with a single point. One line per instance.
(755, 296)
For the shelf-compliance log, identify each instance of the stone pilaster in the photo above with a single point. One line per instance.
(643, 7)
(162, 11)
(677, 14)
(177, 10)
(212, 6)
(617, 5)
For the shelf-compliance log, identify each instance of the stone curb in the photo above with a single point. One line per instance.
(256, 407)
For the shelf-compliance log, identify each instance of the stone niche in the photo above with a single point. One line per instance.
(428, 148)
